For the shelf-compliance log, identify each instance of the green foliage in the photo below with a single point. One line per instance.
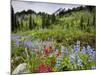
(64, 28)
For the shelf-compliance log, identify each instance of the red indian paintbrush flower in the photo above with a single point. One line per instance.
(46, 50)
(42, 68)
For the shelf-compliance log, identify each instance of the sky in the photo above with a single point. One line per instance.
(40, 6)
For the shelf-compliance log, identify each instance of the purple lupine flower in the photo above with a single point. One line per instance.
(83, 50)
(17, 37)
(93, 56)
(72, 58)
(14, 37)
(62, 48)
(91, 53)
(17, 42)
(62, 51)
(77, 47)
(89, 50)
(28, 44)
(88, 47)
(79, 61)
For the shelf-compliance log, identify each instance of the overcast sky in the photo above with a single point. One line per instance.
(37, 6)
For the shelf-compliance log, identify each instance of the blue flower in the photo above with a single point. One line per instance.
(88, 47)
(28, 44)
(15, 37)
(62, 51)
(93, 56)
(62, 48)
(84, 50)
(89, 51)
(77, 47)
(79, 61)
(72, 58)
(17, 42)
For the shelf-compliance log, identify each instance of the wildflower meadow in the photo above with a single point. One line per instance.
(45, 41)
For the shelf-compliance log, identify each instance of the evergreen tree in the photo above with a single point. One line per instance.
(12, 19)
(43, 21)
(81, 23)
(30, 23)
(88, 24)
(34, 25)
(53, 18)
(15, 23)
(18, 25)
(94, 21)
(21, 24)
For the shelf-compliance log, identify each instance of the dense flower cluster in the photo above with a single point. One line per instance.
(46, 49)
(44, 68)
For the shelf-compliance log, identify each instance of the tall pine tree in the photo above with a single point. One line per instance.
(81, 23)
(12, 19)
(30, 23)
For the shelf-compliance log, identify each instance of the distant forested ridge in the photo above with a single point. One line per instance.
(81, 17)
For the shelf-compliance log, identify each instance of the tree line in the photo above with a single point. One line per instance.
(25, 20)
